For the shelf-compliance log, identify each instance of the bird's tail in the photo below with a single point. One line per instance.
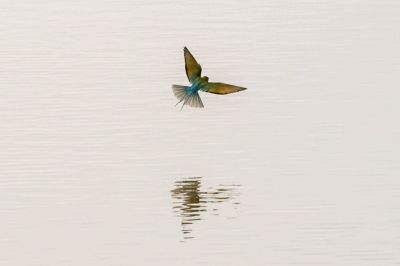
(183, 95)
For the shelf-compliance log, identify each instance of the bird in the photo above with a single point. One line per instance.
(189, 95)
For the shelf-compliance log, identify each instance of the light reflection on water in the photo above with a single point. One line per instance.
(191, 200)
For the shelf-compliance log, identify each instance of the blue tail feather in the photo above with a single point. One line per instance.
(188, 98)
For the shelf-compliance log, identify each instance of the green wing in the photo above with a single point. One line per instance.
(193, 69)
(222, 88)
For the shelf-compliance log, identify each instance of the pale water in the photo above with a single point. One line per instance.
(97, 166)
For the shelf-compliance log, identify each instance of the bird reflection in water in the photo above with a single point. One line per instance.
(191, 200)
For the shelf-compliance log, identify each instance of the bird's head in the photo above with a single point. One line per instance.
(205, 78)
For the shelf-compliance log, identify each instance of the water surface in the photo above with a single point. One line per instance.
(96, 163)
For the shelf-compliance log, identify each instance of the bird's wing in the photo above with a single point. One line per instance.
(222, 88)
(193, 69)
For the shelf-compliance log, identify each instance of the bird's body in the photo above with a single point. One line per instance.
(189, 94)
(198, 84)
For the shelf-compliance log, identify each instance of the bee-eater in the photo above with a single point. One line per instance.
(189, 94)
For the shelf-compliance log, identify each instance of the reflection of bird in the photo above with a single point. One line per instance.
(191, 200)
(188, 195)
(189, 94)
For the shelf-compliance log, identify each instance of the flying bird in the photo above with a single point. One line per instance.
(189, 95)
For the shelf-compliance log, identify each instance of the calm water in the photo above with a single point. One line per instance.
(97, 166)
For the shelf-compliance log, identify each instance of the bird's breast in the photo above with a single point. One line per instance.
(193, 89)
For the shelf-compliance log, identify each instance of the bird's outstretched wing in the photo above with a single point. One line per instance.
(193, 69)
(222, 88)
